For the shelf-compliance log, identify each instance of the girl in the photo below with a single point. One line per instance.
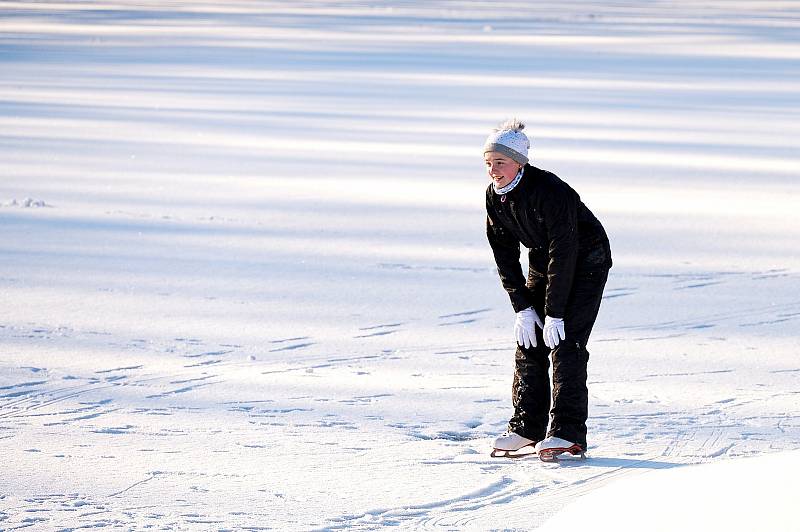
(569, 257)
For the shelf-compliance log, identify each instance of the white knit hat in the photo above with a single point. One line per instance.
(509, 140)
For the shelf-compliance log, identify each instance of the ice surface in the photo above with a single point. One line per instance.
(257, 293)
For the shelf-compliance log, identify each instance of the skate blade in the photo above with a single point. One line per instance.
(555, 455)
(522, 452)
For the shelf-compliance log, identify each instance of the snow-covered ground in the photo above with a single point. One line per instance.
(748, 494)
(245, 281)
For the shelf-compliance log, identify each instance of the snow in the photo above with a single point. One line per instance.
(746, 494)
(257, 294)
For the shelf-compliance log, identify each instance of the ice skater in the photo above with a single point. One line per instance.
(569, 258)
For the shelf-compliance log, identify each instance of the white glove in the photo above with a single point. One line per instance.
(553, 331)
(525, 327)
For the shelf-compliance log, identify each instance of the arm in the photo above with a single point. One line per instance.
(561, 219)
(505, 248)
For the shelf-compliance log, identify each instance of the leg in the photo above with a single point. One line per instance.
(531, 391)
(570, 359)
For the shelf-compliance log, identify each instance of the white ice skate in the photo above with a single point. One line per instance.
(512, 445)
(551, 447)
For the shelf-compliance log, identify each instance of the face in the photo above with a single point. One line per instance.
(502, 170)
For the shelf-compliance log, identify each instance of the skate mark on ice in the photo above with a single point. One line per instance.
(404, 426)
(295, 339)
(153, 475)
(771, 274)
(83, 418)
(379, 330)
(307, 369)
(291, 347)
(688, 374)
(190, 341)
(361, 399)
(460, 322)
(782, 310)
(118, 369)
(124, 429)
(209, 354)
(616, 295)
(698, 285)
(182, 390)
(464, 313)
(330, 423)
(153, 411)
(661, 337)
(24, 407)
(288, 410)
(256, 401)
(252, 445)
(381, 326)
(379, 333)
(115, 378)
(694, 276)
(22, 385)
(20, 390)
(621, 291)
(412, 515)
(85, 410)
(198, 379)
(720, 451)
(401, 266)
(204, 363)
(468, 317)
(709, 441)
(353, 359)
(781, 318)
(464, 351)
(447, 435)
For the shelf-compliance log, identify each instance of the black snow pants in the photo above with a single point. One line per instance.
(531, 394)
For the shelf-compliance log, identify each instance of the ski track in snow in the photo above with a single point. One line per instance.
(194, 341)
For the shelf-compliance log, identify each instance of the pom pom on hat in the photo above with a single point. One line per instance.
(509, 140)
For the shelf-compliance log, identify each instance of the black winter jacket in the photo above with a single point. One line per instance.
(562, 235)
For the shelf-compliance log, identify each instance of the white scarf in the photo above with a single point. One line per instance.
(509, 187)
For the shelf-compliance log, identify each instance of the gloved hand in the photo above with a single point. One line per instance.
(525, 327)
(553, 331)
